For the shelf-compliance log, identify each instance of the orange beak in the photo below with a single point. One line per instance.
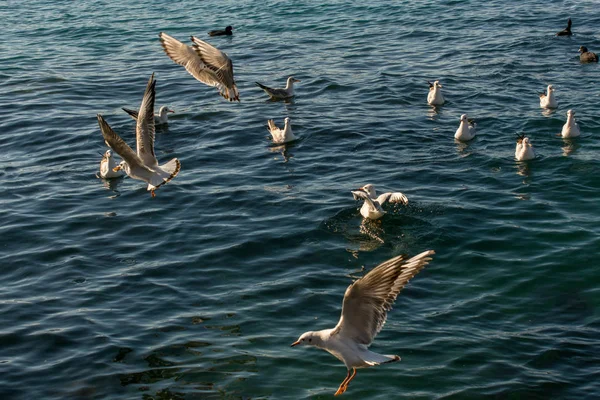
(117, 168)
(295, 343)
(171, 111)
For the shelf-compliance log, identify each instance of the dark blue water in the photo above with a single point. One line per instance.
(107, 293)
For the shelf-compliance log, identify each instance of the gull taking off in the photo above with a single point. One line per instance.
(570, 129)
(106, 166)
(160, 119)
(143, 165)
(547, 99)
(278, 94)
(435, 97)
(364, 312)
(204, 62)
(281, 135)
(524, 149)
(466, 130)
(371, 207)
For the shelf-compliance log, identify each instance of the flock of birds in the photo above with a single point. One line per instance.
(368, 299)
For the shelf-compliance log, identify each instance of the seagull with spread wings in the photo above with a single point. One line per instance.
(204, 62)
(364, 312)
(371, 207)
(143, 164)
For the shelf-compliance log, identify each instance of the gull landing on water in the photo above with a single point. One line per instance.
(204, 62)
(547, 99)
(570, 129)
(371, 207)
(106, 166)
(364, 312)
(143, 165)
(466, 130)
(435, 97)
(160, 119)
(280, 136)
(279, 94)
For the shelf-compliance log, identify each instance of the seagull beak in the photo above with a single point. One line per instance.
(296, 343)
(297, 80)
(117, 168)
(171, 111)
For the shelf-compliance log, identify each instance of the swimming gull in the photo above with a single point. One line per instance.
(279, 93)
(220, 32)
(371, 207)
(107, 164)
(204, 62)
(567, 30)
(524, 150)
(435, 97)
(143, 165)
(587, 56)
(364, 312)
(570, 129)
(281, 135)
(160, 119)
(547, 99)
(466, 130)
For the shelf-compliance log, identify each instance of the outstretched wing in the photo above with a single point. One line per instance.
(115, 142)
(132, 113)
(361, 194)
(367, 300)
(220, 65)
(392, 198)
(144, 131)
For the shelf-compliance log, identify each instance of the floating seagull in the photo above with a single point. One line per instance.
(567, 30)
(364, 312)
(160, 119)
(278, 94)
(570, 128)
(281, 135)
(524, 149)
(371, 208)
(219, 32)
(547, 99)
(204, 62)
(587, 56)
(466, 130)
(106, 166)
(143, 165)
(435, 97)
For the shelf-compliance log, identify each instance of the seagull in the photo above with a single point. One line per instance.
(371, 208)
(160, 119)
(143, 165)
(547, 99)
(570, 128)
(106, 166)
(284, 135)
(567, 30)
(204, 62)
(364, 312)
(524, 149)
(587, 56)
(219, 32)
(435, 97)
(278, 94)
(467, 129)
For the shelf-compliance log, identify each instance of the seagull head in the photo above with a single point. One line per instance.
(287, 120)
(570, 113)
(583, 49)
(291, 80)
(370, 189)
(122, 165)
(463, 118)
(437, 84)
(164, 110)
(108, 154)
(550, 89)
(308, 339)
(526, 141)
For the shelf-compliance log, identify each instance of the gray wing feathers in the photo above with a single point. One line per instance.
(392, 198)
(145, 126)
(115, 142)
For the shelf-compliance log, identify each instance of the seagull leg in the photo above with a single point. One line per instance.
(342, 387)
(153, 194)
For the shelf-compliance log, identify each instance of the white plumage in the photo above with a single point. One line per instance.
(371, 207)
(435, 97)
(548, 99)
(570, 129)
(107, 164)
(280, 136)
(524, 150)
(466, 130)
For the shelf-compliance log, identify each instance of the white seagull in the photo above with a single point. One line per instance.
(524, 150)
(371, 207)
(466, 130)
(160, 119)
(106, 166)
(364, 312)
(281, 135)
(278, 94)
(143, 165)
(435, 97)
(570, 128)
(204, 62)
(547, 99)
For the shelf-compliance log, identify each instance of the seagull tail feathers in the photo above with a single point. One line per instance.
(373, 358)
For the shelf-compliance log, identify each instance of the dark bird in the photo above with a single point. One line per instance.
(587, 56)
(220, 32)
(566, 31)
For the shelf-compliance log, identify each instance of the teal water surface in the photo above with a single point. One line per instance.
(107, 293)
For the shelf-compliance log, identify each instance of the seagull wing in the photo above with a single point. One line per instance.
(220, 65)
(277, 93)
(144, 130)
(392, 198)
(115, 142)
(361, 194)
(367, 300)
(132, 113)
